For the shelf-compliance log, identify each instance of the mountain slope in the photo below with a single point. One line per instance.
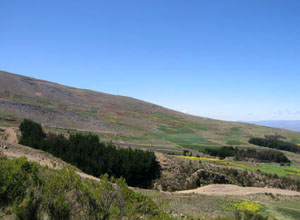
(118, 118)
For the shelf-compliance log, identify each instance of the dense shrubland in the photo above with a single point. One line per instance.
(276, 143)
(86, 152)
(29, 192)
(243, 154)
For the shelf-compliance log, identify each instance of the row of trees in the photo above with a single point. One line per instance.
(242, 153)
(221, 152)
(86, 152)
(261, 155)
(275, 143)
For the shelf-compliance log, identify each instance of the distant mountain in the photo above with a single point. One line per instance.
(121, 119)
(293, 125)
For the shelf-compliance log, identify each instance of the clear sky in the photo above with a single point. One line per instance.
(224, 59)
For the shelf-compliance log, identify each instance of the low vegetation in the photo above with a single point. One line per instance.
(214, 207)
(86, 152)
(29, 192)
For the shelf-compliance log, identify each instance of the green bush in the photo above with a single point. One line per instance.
(34, 192)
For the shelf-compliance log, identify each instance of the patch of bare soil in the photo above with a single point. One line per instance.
(9, 134)
(228, 189)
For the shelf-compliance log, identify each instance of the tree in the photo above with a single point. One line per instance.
(32, 133)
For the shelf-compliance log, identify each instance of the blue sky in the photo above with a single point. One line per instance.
(225, 59)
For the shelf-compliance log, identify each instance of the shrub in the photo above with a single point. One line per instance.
(33, 192)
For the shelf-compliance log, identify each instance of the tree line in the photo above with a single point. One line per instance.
(275, 143)
(86, 152)
(242, 154)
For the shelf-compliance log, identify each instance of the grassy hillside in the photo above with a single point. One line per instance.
(120, 119)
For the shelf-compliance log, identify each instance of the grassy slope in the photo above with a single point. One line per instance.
(119, 118)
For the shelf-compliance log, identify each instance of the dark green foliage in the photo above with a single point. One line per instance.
(27, 210)
(32, 192)
(261, 155)
(221, 152)
(186, 153)
(242, 154)
(275, 143)
(32, 133)
(24, 174)
(138, 167)
(59, 209)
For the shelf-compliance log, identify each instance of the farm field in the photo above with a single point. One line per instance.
(282, 171)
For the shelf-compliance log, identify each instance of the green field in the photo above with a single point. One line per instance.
(282, 171)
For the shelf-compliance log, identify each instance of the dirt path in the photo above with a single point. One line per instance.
(227, 189)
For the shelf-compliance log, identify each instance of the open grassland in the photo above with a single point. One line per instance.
(206, 207)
